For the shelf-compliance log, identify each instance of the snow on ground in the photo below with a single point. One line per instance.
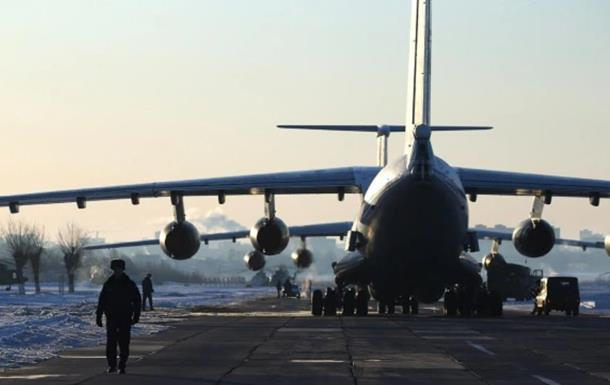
(35, 327)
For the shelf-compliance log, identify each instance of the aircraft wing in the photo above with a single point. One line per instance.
(336, 229)
(337, 180)
(506, 236)
(487, 182)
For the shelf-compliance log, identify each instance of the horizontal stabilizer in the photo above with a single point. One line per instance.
(345, 127)
(384, 128)
(460, 128)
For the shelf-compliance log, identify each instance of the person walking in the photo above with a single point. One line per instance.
(278, 287)
(287, 287)
(147, 290)
(120, 302)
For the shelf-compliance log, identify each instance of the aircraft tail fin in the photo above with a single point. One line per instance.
(418, 76)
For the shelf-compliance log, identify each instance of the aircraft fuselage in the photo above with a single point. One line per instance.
(413, 229)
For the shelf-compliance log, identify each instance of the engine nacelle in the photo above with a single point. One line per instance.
(255, 260)
(302, 258)
(493, 260)
(534, 238)
(269, 236)
(180, 240)
(607, 244)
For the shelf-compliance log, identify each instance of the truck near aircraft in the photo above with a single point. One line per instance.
(557, 293)
(510, 280)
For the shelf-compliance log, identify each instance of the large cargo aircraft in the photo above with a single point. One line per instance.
(412, 227)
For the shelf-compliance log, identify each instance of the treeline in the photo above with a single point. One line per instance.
(25, 243)
(162, 271)
(65, 259)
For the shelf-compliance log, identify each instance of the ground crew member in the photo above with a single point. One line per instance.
(287, 287)
(278, 287)
(147, 290)
(120, 302)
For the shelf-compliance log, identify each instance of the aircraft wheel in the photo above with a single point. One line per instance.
(465, 302)
(483, 303)
(317, 302)
(362, 303)
(330, 304)
(575, 312)
(348, 303)
(414, 305)
(496, 302)
(391, 307)
(450, 303)
(381, 307)
(406, 306)
(547, 311)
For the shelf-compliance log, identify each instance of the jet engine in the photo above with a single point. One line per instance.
(534, 238)
(302, 258)
(180, 240)
(255, 260)
(269, 235)
(492, 260)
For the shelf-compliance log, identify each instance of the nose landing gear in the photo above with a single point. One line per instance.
(410, 305)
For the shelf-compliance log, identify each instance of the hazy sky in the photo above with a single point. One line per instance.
(108, 92)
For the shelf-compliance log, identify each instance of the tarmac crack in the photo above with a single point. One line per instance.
(251, 352)
(352, 365)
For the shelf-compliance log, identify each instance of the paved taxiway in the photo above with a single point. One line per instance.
(276, 342)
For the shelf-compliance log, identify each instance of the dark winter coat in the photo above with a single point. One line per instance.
(147, 286)
(120, 299)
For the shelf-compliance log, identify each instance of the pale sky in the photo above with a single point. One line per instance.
(98, 93)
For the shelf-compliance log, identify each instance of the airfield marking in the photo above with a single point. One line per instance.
(319, 361)
(31, 376)
(547, 381)
(320, 330)
(445, 331)
(87, 357)
(480, 348)
(454, 337)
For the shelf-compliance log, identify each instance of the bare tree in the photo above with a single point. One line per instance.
(24, 242)
(72, 240)
(35, 252)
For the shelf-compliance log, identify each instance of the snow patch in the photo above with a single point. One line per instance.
(35, 327)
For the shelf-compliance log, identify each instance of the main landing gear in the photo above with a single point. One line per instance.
(362, 303)
(409, 305)
(386, 307)
(469, 301)
(317, 302)
(324, 304)
(352, 301)
(349, 302)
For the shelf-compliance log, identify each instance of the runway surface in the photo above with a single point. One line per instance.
(277, 342)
